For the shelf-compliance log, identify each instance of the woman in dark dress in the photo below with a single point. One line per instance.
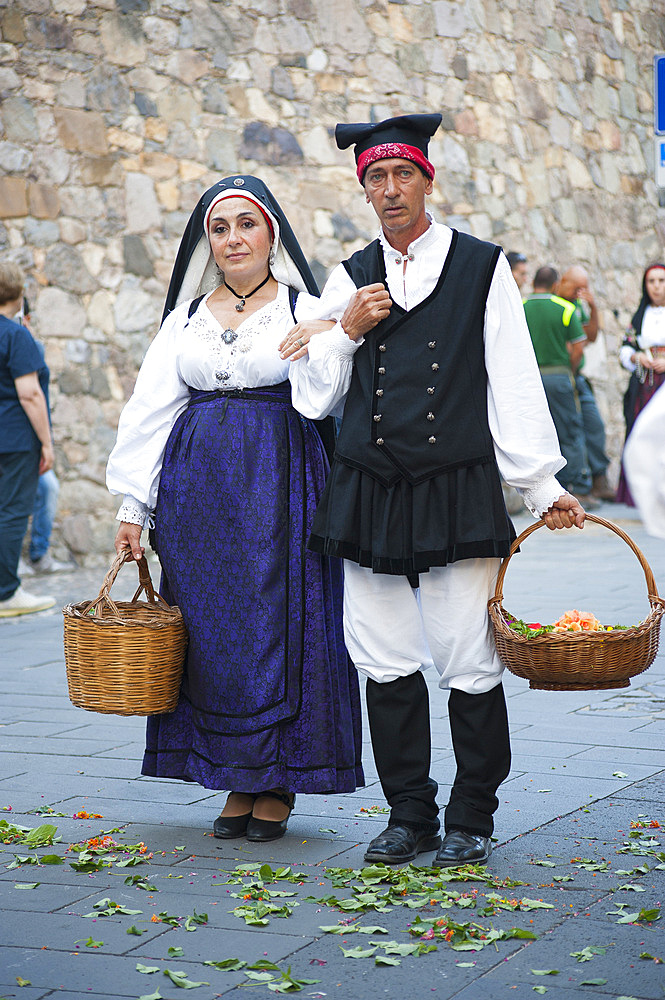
(210, 442)
(643, 355)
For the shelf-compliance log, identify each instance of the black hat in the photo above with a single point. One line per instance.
(410, 134)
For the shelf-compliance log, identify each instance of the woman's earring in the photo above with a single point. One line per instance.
(271, 256)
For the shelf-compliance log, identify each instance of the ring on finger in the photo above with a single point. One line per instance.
(300, 343)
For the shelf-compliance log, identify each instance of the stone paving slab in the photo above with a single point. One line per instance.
(569, 742)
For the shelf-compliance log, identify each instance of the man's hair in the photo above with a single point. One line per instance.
(515, 258)
(12, 280)
(545, 277)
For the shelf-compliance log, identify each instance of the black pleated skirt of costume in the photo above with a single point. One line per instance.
(269, 697)
(405, 529)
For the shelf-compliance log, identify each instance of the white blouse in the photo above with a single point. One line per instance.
(194, 353)
(652, 334)
(525, 440)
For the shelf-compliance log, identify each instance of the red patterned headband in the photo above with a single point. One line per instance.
(388, 150)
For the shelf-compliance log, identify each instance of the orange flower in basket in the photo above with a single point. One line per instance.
(577, 621)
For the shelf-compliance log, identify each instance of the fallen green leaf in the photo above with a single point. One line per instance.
(23, 982)
(146, 969)
(227, 964)
(134, 930)
(545, 972)
(152, 996)
(357, 952)
(386, 960)
(175, 952)
(589, 952)
(619, 774)
(593, 982)
(397, 948)
(192, 921)
(180, 979)
(26, 885)
(539, 989)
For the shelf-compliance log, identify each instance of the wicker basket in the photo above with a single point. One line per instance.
(124, 658)
(578, 661)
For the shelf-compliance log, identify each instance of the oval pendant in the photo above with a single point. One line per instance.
(229, 336)
(240, 306)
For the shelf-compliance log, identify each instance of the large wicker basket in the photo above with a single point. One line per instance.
(578, 661)
(124, 658)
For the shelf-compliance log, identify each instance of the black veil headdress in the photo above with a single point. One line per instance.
(194, 271)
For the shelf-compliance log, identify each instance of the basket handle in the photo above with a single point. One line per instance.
(104, 601)
(650, 582)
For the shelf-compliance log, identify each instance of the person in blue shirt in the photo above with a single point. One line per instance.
(26, 445)
(40, 557)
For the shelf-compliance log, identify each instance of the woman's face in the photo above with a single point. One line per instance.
(240, 240)
(655, 285)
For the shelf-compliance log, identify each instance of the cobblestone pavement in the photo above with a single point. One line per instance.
(574, 830)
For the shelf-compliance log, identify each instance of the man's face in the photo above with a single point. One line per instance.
(573, 284)
(396, 189)
(520, 274)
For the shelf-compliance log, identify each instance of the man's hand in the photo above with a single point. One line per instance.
(369, 306)
(294, 345)
(129, 537)
(564, 513)
(46, 458)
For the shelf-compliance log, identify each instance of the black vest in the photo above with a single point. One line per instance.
(417, 404)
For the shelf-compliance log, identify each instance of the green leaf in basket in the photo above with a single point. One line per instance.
(529, 630)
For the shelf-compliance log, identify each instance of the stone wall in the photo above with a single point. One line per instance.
(116, 114)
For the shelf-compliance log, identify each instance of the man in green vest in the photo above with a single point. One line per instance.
(574, 287)
(558, 342)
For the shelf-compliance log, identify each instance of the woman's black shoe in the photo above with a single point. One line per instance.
(230, 827)
(263, 830)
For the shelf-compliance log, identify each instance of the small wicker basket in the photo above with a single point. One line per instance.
(578, 661)
(124, 658)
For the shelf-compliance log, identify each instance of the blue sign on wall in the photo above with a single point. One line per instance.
(659, 93)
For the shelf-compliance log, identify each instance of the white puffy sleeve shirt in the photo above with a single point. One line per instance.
(525, 440)
(652, 334)
(192, 352)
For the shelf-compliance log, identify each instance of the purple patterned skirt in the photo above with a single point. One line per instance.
(269, 697)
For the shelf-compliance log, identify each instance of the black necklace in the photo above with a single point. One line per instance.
(241, 304)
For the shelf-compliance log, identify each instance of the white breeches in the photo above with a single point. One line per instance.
(392, 630)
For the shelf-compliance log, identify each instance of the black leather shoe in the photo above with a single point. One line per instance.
(230, 827)
(460, 848)
(264, 830)
(399, 843)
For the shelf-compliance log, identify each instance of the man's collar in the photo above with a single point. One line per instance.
(422, 242)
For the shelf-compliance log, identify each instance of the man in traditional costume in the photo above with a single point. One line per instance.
(435, 411)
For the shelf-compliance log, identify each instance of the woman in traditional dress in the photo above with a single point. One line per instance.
(210, 442)
(643, 355)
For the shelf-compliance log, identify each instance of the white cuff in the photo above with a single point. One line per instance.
(540, 497)
(340, 341)
(132, 511)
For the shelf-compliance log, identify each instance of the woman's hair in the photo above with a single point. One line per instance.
(12, 280)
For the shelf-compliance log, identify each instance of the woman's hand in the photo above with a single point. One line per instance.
(658, 363)
(645, 361)
(564, 513)
(294, 345)
(129, 537)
